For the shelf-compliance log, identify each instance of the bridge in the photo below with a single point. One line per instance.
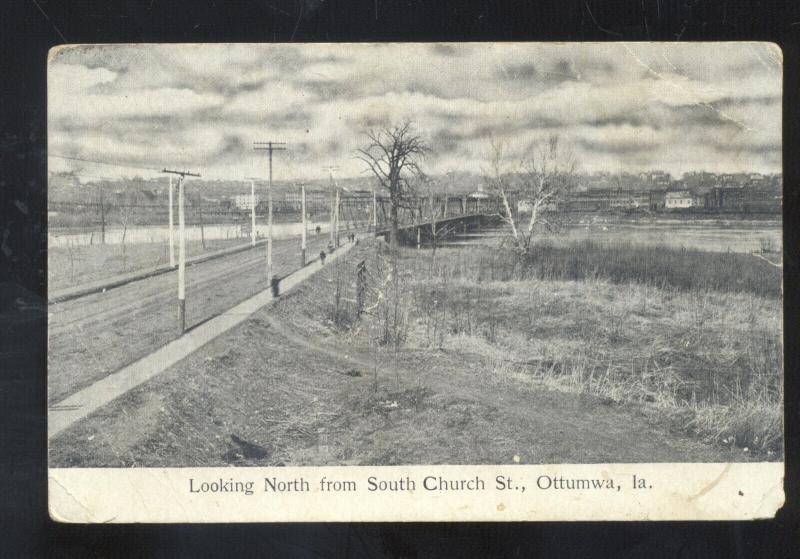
(422, 218)
(419, 232)
(428, 218)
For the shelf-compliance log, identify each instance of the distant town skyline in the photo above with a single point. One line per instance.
(623, 107)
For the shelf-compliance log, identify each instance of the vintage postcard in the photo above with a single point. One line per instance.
(404, 282)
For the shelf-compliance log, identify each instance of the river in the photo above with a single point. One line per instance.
(708, 235)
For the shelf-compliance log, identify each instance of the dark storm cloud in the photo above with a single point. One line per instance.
(563, 71)
(232, 145)
(446, 142)
(295, 116)
(432, 89)
(328, 89)
(757, 148)
(556, 73)
(448, 139)
(526, 71)
(703, 115)
(763, 100)
(615, 148)
(630, 119)
(533, 122)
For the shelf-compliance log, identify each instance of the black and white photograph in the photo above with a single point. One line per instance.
(414, 254)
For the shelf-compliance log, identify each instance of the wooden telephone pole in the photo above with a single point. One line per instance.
(334, 210)
(171, 228)
(253, 213)
(303, 211)
(269, 147)
(181, 247)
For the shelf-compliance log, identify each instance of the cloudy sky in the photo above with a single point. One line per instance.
(623, 107)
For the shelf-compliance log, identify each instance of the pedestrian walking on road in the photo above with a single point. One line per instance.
(322, 257)
(318, 229)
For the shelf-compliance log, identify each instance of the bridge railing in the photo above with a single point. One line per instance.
(425, 209)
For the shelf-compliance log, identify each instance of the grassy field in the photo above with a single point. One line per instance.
(657, 266)
(447, 366)
(69, 266)
(695, 336)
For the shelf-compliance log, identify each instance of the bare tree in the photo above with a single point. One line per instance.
(438, 229)
(540, 180)
(393, 156)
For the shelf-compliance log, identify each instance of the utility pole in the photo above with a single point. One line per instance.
(171, 228)
(102, 217)
(336, 218)
(181, 248)
(253, 213)
(269, 147)
(334, 199)
(303, 238)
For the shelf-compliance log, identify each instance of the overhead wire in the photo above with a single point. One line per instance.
(106, 163)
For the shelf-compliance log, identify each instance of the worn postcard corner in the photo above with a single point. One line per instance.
(415, 282)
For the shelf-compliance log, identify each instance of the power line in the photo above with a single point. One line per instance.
(84, 160)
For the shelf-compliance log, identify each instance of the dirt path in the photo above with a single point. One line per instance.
(546, 425)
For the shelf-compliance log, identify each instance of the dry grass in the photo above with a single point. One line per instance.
(707, 362)
(622, 263)
(74, 265)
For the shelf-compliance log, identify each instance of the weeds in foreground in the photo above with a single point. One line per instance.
(661, 267)
(706, 362)
(709, 361)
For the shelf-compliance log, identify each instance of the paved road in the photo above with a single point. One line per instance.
(91, 337)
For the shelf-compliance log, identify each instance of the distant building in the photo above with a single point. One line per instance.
(657, 199)
(680, 199)
(479, 193)
(244, 201)
(656, 179)
(628, 199)
(700, 179)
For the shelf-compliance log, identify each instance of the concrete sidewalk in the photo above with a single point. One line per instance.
(82, 403)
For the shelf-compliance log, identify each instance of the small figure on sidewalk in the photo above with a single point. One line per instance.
(318, 229)
(275, 286)
(322, 257)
